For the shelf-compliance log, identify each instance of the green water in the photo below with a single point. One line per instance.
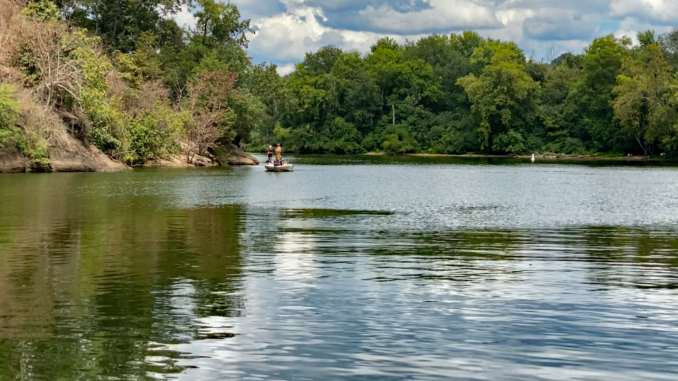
(349, 268)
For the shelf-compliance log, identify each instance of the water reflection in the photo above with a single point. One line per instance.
(113, 280)
(295, 259)
(89, 288)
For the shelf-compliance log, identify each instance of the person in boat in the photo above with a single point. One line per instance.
(270, 154)
(278, 155)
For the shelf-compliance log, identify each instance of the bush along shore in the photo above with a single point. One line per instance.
(100, 86)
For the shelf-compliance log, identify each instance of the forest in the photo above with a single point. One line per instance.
(125, 77)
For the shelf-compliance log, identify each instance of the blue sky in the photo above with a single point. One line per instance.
(287, 29)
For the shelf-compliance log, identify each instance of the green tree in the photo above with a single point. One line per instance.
(644, 97)
(121, 23)
(263, 82)
(558, 108)
(504, 95)
(219, 23)
(602, 63)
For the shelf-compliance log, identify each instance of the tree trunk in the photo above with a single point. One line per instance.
(640, 143)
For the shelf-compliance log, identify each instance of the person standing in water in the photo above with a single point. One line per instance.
(270, 153)
(278, 154)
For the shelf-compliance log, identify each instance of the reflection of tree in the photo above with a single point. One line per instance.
(630, 256)
(89, 281)
(459, 256)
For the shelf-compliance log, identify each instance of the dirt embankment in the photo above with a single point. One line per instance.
(225, 155)
(232, 155)
(70, 156)
(76, 157)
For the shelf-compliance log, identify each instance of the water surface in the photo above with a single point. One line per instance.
(349, 268)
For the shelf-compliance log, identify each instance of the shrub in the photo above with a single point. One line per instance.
(510, 142)
(153, 134)
(8, 111)
(42, 10)
(457, 142)
(398, 139)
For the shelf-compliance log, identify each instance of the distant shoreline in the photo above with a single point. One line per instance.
(538, 157)
(558, 157)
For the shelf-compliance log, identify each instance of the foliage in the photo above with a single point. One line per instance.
(644, 105)
(8, 110)
(42, 10)
(398, 139)
(121, 23)
(503, 97)
(208, 105)
(220, 23)
(24, 125)
(511, 142)
(602, 63)
(155, 133)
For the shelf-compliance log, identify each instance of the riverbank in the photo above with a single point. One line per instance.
(74, 156)
(559, 157)
(219, 155)
(70, 155)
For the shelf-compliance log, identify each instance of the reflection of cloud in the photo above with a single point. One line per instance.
(182, 300)
(294, 259)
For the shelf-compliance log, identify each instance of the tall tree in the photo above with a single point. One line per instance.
(502, 96)
(602, 63)
(644, 97)
(120, 23)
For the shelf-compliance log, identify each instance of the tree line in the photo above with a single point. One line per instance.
(461, 93)
(126, 78)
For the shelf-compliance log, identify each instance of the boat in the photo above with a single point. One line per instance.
(285, 167)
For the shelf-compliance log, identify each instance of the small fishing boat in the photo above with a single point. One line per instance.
(285, 167)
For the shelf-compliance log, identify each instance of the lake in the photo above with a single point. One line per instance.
(360, 268)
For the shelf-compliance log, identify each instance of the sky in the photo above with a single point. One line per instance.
(288, 29)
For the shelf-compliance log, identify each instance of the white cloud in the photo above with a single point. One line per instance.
(185, 18)
(629, 27)
(512, 25)
(286, 69)
(288, 29)
(561, 25)
(288, 37)
(664, 11)
(442, 15)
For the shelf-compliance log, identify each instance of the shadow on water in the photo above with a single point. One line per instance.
(329, 213)
(114, 285)
(89, 286)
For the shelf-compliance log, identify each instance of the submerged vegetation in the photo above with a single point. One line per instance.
(124, 77)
